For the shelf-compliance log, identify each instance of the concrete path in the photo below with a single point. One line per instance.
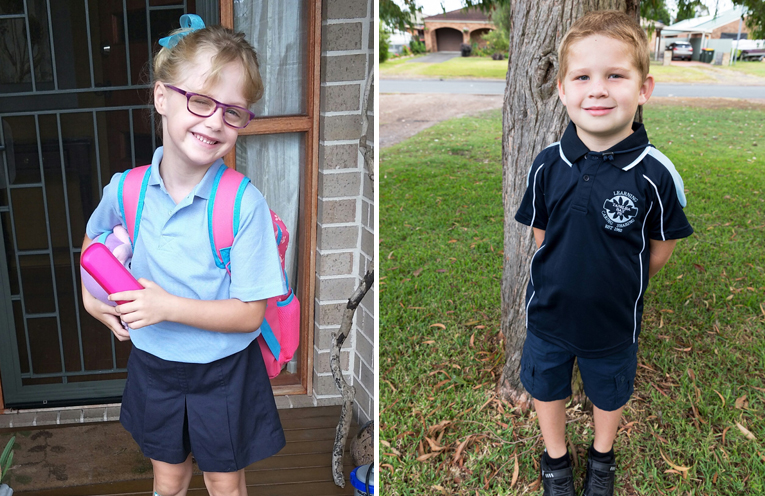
(434, 58)
(497, 87)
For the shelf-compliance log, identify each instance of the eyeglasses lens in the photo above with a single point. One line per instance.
(205, 107)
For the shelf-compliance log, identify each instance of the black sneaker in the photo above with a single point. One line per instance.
(557, 482)
(600, 478)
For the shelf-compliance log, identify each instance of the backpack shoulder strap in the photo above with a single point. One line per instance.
(223, 211)
(131, 193)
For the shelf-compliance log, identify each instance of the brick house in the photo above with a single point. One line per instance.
(445, 32)
(62, 136)
(706, 31)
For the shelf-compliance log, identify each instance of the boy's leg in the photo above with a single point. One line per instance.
(226, 483)
(552, 423)
(171, 479)
(606, 425)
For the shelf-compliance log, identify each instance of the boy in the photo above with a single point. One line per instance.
(606, 211)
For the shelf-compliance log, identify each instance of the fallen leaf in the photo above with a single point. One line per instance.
(461, 448)
(515, 469)
(417, 272)
(682, 469)
(426, 456)
(441, 326)
(434, 446)
(721, 396)
(747, 434)
(700, 268)
(433, 429)
(472, 341)
(741, 403)
(389, 466)
(429, 342)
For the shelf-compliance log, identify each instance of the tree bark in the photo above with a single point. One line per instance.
(347, 391)
(533, 118)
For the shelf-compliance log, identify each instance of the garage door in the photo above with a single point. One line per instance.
(448, 40)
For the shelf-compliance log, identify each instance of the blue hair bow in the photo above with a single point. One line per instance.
(191, 22)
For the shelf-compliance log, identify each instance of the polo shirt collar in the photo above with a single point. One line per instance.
(202, 190)
(624, 155)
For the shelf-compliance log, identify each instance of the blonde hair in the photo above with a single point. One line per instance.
(226, 45)
(613, 24)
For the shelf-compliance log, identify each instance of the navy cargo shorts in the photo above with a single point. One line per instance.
(546, 371)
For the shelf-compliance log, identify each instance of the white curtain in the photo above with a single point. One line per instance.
(278, 30)
(273, 163)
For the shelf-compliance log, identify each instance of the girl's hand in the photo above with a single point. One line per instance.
(144, 307)
(105, 314)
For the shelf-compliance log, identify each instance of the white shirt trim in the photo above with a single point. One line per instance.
(640, 288)
(661, 206)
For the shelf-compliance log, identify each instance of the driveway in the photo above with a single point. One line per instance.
(435, 58)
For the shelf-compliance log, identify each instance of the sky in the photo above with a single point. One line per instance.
(433, 7)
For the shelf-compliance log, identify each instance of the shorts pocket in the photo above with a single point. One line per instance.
(527, 374)
(624, 380)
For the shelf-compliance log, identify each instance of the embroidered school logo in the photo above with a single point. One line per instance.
(620, 211)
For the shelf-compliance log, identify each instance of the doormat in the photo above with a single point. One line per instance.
(74, 455)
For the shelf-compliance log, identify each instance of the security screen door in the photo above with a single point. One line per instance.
(73, 111)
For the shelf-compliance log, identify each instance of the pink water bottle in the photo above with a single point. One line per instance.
(107, 271)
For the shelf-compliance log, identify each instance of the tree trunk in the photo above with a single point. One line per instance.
(533, 118)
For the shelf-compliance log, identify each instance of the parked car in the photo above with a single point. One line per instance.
(681, 50)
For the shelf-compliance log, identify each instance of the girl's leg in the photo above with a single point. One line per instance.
(606, 425)
(172, 479)
(226, 483)
(552, 423)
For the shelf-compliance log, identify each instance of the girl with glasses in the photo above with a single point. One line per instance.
(196, 378)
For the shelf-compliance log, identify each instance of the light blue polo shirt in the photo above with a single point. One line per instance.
(173, 250)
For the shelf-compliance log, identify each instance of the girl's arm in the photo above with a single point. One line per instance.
(102, 312)
(153, 305)
(660, 253)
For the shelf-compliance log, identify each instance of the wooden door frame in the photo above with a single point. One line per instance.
(307, 123)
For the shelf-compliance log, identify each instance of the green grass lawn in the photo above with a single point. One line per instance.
(753, 68)
(484, 67)
(678, 74)
(702, 358)
(458, 67)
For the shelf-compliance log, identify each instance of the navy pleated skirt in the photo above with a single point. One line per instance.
(223, 412)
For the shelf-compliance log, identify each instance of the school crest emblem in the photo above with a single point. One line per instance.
(620, 211)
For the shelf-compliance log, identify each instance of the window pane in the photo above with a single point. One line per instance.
(274, 164)
(278, 29)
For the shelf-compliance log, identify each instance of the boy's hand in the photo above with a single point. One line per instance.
(105, 314)
(144, 307)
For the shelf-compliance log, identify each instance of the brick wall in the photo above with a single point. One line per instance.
(345, 244)
(731, 27)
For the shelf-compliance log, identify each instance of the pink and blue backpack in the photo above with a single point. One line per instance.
(280, 331)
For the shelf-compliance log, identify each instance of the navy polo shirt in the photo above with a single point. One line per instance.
(598, 210)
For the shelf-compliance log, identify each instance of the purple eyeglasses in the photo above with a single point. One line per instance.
(204, 106)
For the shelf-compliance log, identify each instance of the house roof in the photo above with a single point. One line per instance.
(460, 15)
(705, 24)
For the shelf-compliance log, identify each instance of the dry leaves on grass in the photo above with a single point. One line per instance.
(746, 432)
(677, 468)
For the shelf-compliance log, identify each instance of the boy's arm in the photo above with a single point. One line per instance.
(539, 237)
(660, 253)
(153, 305)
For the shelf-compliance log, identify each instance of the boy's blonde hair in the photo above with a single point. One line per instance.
(613, 24)
(226, 45)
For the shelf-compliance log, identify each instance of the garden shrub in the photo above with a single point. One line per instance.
(383, 44)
